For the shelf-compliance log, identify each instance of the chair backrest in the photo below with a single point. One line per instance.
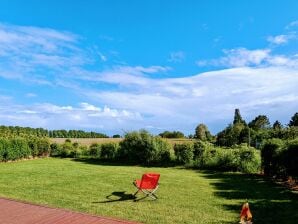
(149, 180)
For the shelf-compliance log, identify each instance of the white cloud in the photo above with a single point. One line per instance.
(36, 55)
(132, 97)
(89, 107)
(86, 116)
(171, 103)
(27, 112)
(280, 39)
(242, 57)
(139, 70)
(210, 97)
(102, 57)
(5, 98)
(292, 24)
(177, 56)
(124, 75)
(30, 95)
(238, 57)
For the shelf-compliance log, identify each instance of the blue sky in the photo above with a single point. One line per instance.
(114, 66)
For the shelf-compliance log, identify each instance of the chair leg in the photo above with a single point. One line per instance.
(136, 193)
(147, 192)
(150, 193)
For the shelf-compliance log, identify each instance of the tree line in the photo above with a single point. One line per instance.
(253, 133)
(13, 131)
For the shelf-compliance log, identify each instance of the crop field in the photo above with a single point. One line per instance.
(89, 141)
(86, 141)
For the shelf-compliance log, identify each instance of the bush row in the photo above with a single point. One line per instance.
(280, 158)
(106, 151)
(140, 148)
(20, 148)
(206, 156)
(136, 148)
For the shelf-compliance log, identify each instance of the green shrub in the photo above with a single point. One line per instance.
(250, 160)
(39, 146)
(272, 154)
(67, 149)
(94, 150)
(75, 153)
(43, 146)
(67, 140)
(32, 143)
(140, 147)
(184, 153)
(84, 151)
(239, 158)
(202, 153)
(3, 149)
(17, 149)
(55, 149)
(227, 159)
(109, 151)
(76, 145)
(291, 158)
(162, 155)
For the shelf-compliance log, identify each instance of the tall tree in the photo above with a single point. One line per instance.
(260, 122)
(237, 118)
(277, 125)
(294, 120)
(203, 133)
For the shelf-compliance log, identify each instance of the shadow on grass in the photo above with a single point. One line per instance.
(118, 196)
(269, 202)
(93, 161)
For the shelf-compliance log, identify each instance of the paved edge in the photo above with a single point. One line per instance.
(70, 211)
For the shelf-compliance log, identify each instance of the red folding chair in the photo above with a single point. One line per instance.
(148, 184)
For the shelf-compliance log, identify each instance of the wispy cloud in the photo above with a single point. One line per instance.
(292, 24)
(210, 97)
(242, 57)
(238, 57)
(33, 54)
(124, 75)
(31, 95)
(177, 56)
(280, 39)
(86, 116)
(102, 56)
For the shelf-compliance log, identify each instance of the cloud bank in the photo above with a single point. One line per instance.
(129, 97)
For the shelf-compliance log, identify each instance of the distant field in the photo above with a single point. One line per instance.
(86, 141)
(89, 141)
(179, 140)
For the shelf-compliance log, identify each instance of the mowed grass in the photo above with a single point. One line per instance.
(185, 196)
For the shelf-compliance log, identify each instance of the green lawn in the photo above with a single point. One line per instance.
(185, 196)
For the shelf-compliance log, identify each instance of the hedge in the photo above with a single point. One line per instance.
(280, 158)
(205, 156)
